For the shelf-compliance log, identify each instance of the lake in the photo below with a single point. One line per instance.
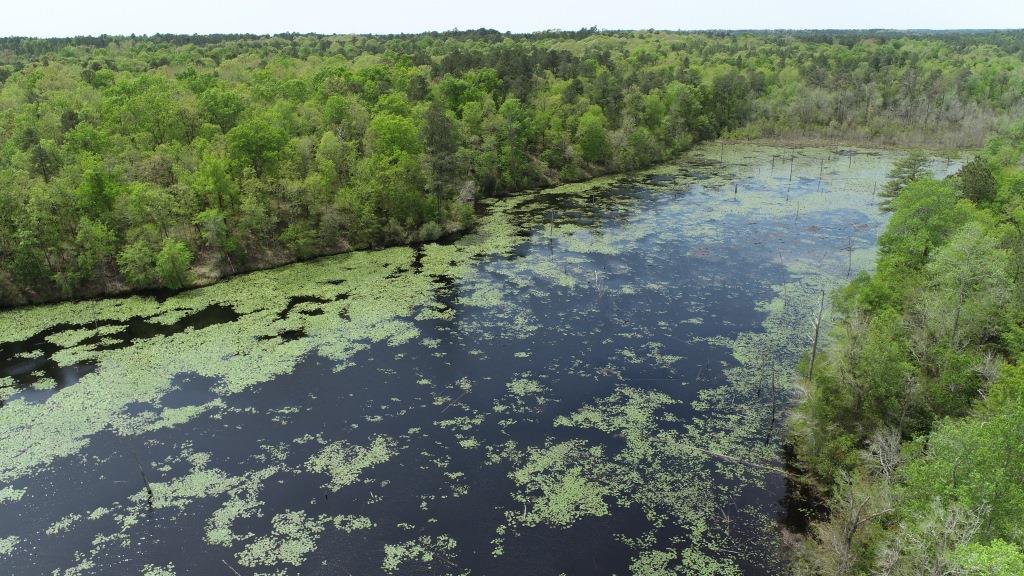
(593, 381)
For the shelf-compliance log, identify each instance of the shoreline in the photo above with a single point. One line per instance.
(846, 143)
(160, 294)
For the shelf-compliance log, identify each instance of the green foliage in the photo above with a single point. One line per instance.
(212, 227)
(976, 463)
(925, 214)
(334, 159)
(221, 106)
(906, 170)
(976, 181)
(300, 239)
(639, 149)
(95, 246)
(969, 286)
(213, 183)
(928, 541)
(998, 558)
(172, 264)
(137, 263)
(592, 137)
(98, 190)
(389, 135)
(257, 143)
(732, 102)
(45, 159)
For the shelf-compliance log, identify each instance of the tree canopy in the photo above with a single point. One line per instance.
(253, 151)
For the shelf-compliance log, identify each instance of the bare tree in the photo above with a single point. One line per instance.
(817, 333)
(922, 546)
(884, 452)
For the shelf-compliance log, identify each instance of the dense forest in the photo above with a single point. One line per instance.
(162, 162)
(914, 415)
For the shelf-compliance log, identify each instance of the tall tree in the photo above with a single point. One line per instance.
(592, 137)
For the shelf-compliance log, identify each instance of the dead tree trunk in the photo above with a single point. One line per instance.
(817, 332)
(149, 489)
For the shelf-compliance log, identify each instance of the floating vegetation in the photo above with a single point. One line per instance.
(352, 523)
(524, 387)
(292, 538)
(344, 462)
(152, 570)
(243, 502)
(7, 545)
(63, 524)
(659, 470)
(424, 555)
(555, 488)
(180, 492)
(10, 494)
(70, 338)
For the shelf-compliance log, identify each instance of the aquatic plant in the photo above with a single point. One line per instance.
(344, 462)
(293, 536)
(425, 554)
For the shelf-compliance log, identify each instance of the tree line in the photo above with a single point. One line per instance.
(130, 163)
(913, 419)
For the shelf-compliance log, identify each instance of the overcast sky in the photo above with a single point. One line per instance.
(90, 17)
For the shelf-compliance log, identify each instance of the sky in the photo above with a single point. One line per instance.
(49, 18)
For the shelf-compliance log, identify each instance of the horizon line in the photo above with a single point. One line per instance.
(592, 30)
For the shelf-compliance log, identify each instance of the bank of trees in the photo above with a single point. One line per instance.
(130, 163)
(914, 420)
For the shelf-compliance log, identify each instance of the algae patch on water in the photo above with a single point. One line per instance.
(7, 545)
(426, 554)
(293, 536)
(344, 462)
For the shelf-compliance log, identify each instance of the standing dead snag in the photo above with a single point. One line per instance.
(849, 251)
(549, 225)
(149, 489)
(775, 398)
(817, 332)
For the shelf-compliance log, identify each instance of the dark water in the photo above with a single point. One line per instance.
(655, 289)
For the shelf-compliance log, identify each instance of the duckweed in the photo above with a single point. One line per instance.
(10, 494)
(63, 524)
(152, 570)
(8, 544)
(293, 536)
(344, 462)
(426, 551)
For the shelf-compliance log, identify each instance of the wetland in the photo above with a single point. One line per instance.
(593, 381)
